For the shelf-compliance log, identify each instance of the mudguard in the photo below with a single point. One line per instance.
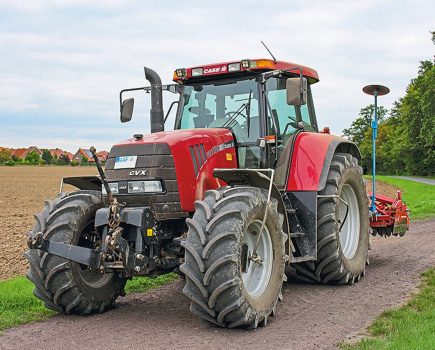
(89, 183)
(311, 158)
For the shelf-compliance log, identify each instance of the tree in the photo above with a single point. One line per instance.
(63, 160)
(85, 161)
(406, 139)
(416, 111)
(46, 156)
(33, 157)
(362, 124)
(5, 155)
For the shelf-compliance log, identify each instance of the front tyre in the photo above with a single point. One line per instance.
(225, 285)
(63, 285)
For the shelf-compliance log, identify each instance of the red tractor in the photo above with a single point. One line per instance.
(242, 191)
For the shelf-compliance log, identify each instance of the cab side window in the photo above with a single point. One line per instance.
(286, 117)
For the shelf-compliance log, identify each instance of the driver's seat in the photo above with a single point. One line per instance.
(203, 121)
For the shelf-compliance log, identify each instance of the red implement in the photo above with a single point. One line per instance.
(391, 217)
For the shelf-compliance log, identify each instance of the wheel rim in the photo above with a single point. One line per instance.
(93, 278)
(256, 276)
(350, 231)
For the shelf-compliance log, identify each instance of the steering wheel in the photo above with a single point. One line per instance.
(231, 114)
(293, 124)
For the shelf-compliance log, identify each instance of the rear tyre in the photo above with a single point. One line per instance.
(227, 288)
(341, 254)
(63, 285)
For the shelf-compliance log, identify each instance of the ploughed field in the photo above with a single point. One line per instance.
(23, 190)
(22, 194)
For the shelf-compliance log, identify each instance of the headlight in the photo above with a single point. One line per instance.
(196, 72)
(144, 186)
(233, 67)
(113, 188)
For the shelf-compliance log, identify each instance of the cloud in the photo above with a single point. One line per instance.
(64, 63)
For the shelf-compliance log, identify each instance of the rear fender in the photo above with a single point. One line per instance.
(311, 158)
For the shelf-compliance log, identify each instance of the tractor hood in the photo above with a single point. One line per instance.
(183, 160)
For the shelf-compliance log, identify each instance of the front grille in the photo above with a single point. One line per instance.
(158, 162)
(197, 152)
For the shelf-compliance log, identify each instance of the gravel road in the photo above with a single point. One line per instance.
(309, 317)
(422, 180)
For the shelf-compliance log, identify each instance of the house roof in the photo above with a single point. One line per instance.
(34, 148)
(69, 155)
(102, 155)
(86, 153)
(20, 153)
(57, 152)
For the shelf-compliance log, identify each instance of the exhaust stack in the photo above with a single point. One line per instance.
(156, 111)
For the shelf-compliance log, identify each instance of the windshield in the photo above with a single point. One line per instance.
(231, 104)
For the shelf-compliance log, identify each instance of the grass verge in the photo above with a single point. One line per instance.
(409, 327)
(18, 305)
(419, 197)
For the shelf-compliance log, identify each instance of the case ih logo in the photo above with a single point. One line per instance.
(214, 70)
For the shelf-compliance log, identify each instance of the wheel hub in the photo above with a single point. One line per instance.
(350, 230)
(256, 269)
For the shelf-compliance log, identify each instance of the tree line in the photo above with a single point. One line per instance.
(34, 158)
(406, 133)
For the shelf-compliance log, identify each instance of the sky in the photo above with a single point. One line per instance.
(63, 63)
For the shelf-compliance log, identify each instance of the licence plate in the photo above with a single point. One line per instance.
(126, 162)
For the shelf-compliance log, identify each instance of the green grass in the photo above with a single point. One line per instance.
(409, 327)
(142, 284)
(18, 305)
(419, 197)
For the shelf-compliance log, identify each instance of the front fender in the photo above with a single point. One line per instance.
(89, 183)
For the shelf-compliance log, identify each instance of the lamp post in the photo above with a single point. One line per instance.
(375, 90)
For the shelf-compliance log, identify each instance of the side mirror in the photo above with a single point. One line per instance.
(127, 110)
(296, 91)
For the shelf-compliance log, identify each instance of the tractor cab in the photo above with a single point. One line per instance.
(250, 99)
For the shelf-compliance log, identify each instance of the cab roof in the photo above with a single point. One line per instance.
(226, 69)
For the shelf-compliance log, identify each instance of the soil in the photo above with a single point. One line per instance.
(23, 190)
(309, 317)
(382, 188)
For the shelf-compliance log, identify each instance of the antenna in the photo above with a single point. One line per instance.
(268, 51)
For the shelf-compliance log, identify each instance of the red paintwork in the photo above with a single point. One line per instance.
(262, 64)
(192, 187)
(390, 213)
(307, 160)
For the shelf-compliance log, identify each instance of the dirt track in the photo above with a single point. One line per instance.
(310, 317)
(23, 190)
